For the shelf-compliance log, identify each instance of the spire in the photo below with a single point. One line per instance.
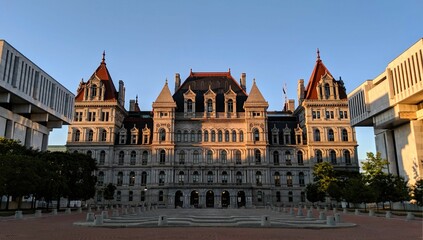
(164, 98)
(103, 60)
(318, 55)
(255, 98)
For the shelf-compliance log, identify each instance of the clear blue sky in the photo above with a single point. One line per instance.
(272, 41)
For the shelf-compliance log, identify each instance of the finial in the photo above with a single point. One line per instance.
(254, 80)
(82, 80)
(166, 81)
(103, 60)
(229, 70)
(136, 98)
(318, 54)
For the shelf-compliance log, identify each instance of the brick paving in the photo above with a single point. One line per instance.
(61, 227)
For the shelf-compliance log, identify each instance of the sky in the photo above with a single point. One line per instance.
(272, 41)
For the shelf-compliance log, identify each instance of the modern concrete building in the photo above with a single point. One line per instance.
(32, 103)
(393, 104)
(212, 144)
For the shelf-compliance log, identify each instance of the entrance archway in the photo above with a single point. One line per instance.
(226, 199)
(179, 199)
(240, 199)
(194, 199)
(210, 199)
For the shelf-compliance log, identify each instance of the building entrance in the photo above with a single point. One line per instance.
(194, 199)
(226, 199)
(179, 199)
(240, 199)
(210, 199)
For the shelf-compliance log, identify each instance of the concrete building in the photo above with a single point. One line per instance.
(211, 144)
(32, 103)
(393, 104)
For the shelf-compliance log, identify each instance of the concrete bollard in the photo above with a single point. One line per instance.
(105, 214)
(18, 215)
(334, 210)
(309, 214)
(345, 211)
(291, 211)
(38, 213)
(90, 217)
(265, 221)
(98, 209)
(337, 217)
(98, 220)
(54, 212)
(322, 215)
(356, 212)
(325, 209)
(330, 220)
(115, 213)
(410, 216)
(68, 211)
(139, 211)
(125, 211)
(79, 210)
(300, 212)
(388, 214)
(371, 213)
(89, 209)
(163, 220)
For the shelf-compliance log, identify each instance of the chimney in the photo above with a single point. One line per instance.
(121, 93)
(291, 105)
(243, 81)
(177, 81)
(131, 105)
(300, 91)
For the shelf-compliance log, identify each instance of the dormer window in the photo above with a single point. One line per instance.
(209, 105)
(189, 106)
(93, 90)
(145, 135)
(275, 135)
(134, 135)
(327, 90)
(189, 101)
(122, 136)
(230, 106)
(287, 135)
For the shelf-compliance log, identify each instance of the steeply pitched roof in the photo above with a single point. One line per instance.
(255, 96)
(165, 97)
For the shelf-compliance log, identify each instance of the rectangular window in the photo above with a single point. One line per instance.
(314, 114)
(327, 114)
(331, 115)
(318, 114)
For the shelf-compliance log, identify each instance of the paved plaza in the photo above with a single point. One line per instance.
(74, 226)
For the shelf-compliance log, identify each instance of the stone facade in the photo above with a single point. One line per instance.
(210, 144)
(393, 104)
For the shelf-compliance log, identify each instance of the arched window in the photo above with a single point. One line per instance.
(199, 136)
(182, 157)
(301, 179)
(178, 136)
(103, 135)
(332, 156)
(119, 179)
(89, 154)
(162, 157)
(238, 177)
(238, 157)
(206, 136)
(192, 136)
(233, 136)
(289, 179)
(230, 105)
(213, 136)
(93, 90)
(276, 158)
(162, 135)
(347, 157)
(196, 157)
(210, 177)
(327, 91)
(241, 136)
(223, 157)
(344, 135)
(130, 196)
(288, 158)
(143, 178)
(319, 157)
(209, 157)
(259, 178)
(277, 179)
(331, 137)
(226, 136)
(181, 177)
(144, 158)
(121, 158)
(300, 158)
(90, 135)
(278, 196)
(209, 105)
(317, 135)
(195, 177)
(102, 157)
(160, 196)
(100, 178)
(219, 136)
(189, 105)
(185, 136)
(224, 177)
(118, 196)
(133, 158)
(131, 179)
(257, 156)
(162, 176)
(77, 135)
(142, 199)
(256, 135)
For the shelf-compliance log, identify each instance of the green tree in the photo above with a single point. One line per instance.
(357, 191)
(374, 165)
(417, 192)
(324, 175)
(109, 192)
(313, 193)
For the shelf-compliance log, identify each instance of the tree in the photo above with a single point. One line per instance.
(388, 187)
(417, 192)
(313, 193)
(335, 191)
(324, 175)
(109, 192)
(357, 191)
(374, 165)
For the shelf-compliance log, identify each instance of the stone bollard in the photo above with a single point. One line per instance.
(89, 209)
(371, 213)
(357, 212)
(132, 210)
(345, 211)
(322, 215)
(163, 220)
(38, 213)
(98, 220)
(291, 211)
(125, 211)
(115, 213)
(334, 210)
(284, 210)
(18, 215)
(337, 217)
(79, 210)
(310, 213)
(139, 211)
(300, 212)
(54, 212)
(265, 221)
(410, 216)
(388, 214)
(330, 220)
(325, 209)
(105, 214)
(68, 211)
(90, 217)
(98, 209)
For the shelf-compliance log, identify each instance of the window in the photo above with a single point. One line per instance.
(185, 136)
(199, 137)
(275, 138)
(142, 196)
(209, 106)
(241, 136)
(91, 116)
(238, 157)
(160, 196)
(213, 136)
(223, 157)
(289, 179)
(133, 158)
(299, 138)
(182, 157)
(131, 196)
(196, 157)
(219, 136)
(300, 158)
(121, 158)
(103, 135)
(118, 196)
(327, 91)
(134, 138)
(93, 90)
(230, 105)
(210, 177)
(144, 158)
(313, 114)
(257, 156)
(119, 179)
(206, 136)
(143, 178)
(317, 135)
(277, 179)
(276, 158)
(189, 106)
(104, 116)
(181, 176)
(301, 179)
(90, 135)
(192, 136)
(344, 135)
(288, 157)
(332, 156)
(195, 177)
(131, 179)
(259, 178)
(226, 136)
(278, 196)
(209, 157)
(347, 157)
(162, 135)
(331, 136)
(224, 177)
(122, 137)
(256, 136)
(318, 114)
(162, 157)
(319, 157)
(238, 177)
(259, 196)
(233, 136)
(102, 158)
(161, 178)
(100, 178)
(178, 136)
(77, 135)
